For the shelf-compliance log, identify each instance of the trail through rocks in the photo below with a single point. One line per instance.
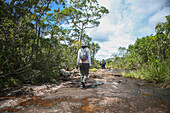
(106, 92)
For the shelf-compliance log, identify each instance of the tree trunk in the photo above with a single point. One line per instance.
(37, 44)
(33, 45)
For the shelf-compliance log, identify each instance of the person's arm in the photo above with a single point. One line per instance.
(89, 58)
(78, 59)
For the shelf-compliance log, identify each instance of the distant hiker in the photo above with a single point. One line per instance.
(102, 64)
(84, 61)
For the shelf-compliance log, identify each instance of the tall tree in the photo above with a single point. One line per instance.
(86, 15)
(94, 47)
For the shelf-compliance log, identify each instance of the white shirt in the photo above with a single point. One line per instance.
(87, 60)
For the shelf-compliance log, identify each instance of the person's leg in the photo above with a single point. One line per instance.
(86, 72)
(102, 66)
(82, 74)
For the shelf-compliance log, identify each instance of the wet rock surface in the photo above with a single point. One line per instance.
(106, 91)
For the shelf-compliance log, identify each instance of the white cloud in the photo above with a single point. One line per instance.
(146, 7)
(110, 47)
(159, 16)
(127, 20)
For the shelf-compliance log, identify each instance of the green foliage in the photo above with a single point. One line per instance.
(109, 63)
(150, 55)
(157, 73)
(26, 55)
(96, 64)
(94, 49)
(86, 15)
(93, 69)
(10, 82)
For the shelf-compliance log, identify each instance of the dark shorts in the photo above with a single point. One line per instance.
(84, 68)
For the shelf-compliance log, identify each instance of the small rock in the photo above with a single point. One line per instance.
(114, 86)
(115, 83)
(98, 82)
(64, 73)
(20, 107)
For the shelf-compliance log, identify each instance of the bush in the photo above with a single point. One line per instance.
(157, 72)
(93, 69)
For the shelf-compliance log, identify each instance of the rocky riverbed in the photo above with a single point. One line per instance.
(106, 92)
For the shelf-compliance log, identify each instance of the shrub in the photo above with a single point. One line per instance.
(157, 72)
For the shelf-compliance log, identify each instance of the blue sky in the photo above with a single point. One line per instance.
(127, 21)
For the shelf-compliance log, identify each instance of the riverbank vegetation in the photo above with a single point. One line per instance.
(149, 56)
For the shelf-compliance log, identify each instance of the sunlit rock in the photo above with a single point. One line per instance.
(64, 73)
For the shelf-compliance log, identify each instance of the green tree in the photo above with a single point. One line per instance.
(24, 50)
(94, 49)
(86, 15)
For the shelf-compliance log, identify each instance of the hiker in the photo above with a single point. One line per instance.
(102, 64)
(84, 62)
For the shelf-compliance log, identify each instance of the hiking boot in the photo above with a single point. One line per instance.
(82, 85)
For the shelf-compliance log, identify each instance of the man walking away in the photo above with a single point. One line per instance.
(103, 64)
(84, 61)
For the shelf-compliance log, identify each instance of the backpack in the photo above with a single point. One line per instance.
(83, 54)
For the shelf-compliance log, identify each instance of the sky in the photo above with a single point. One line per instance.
(127, 20)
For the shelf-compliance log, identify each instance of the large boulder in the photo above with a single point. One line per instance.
(64, 73)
